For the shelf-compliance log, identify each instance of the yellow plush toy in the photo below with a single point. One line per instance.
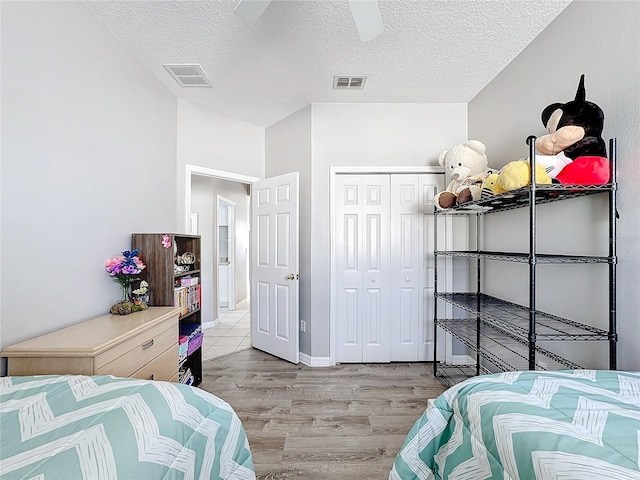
(517, 174)
(490, 187)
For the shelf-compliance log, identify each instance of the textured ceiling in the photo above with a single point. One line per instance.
(430, 52)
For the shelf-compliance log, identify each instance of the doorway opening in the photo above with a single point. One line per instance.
(226, 253)
(221, 200)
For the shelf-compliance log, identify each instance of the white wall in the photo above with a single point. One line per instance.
(209, 139)
(88, 157)
(288, 149)
(366, 135)
(601, 40)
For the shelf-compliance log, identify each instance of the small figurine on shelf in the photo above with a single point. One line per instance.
(141, 296)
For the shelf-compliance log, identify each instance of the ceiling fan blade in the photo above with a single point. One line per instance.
(250, 10)
(367, 17)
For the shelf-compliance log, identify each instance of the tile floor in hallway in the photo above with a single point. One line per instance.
(230, 334)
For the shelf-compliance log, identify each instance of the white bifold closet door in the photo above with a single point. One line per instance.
(363, 274)
(384, 266)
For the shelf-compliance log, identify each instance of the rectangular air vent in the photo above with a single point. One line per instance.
(188, 75)
(348, 83)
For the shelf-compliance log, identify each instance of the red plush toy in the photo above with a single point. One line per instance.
(586, 170)
(573, 152)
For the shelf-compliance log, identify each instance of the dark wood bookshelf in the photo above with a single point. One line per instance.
(165, 267)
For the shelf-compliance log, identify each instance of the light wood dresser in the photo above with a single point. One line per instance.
(140, 345)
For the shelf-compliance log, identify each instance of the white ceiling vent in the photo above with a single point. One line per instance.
(349, 83)
(188, 75)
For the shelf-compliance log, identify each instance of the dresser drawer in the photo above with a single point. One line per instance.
(140, 351)
(135, 343)
(50, 366)
(163, 367)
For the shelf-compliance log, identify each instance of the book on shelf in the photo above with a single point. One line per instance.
(186, 377)
(190, 330)
(194, 297)
(188, 298)
(186, 281)
(181, 299)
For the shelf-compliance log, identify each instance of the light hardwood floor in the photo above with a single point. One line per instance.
(312, 423)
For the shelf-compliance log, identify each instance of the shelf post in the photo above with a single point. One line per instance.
(478, 290)
(435, 292)
(613, 214)
(532, 253)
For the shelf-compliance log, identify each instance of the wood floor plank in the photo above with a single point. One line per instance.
(319, 423)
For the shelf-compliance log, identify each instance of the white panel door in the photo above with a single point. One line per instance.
(275, 266)
(406, 264)
(348, 288)
(430, 184)
(375, 268)
(362, 240)
(412, 273)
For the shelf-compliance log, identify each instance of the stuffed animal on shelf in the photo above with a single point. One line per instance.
(517, 174)
(467, 165)
(573, 152)
(512, 176)
(490, 187)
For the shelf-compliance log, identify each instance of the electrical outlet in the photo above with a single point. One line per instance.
(303, 326)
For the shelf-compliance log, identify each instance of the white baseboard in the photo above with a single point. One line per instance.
(461, 360)
(314, 361)
(326, 362)
(210, 324)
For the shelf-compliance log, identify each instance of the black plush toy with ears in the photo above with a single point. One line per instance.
(578, 113)
(575, 139)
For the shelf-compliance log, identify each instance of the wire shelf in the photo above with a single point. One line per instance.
(507, 352)
(515, 318)
(525, 257)
(452, 374)
(519, 198)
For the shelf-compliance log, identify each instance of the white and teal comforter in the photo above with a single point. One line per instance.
(102, 427)
(573, 424)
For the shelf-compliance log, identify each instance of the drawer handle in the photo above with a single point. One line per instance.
(149, 344)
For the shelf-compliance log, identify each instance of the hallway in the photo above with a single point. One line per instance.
(231, 333)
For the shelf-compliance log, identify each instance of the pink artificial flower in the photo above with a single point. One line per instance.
(127, 264)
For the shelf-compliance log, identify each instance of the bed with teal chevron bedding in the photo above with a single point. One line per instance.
(572, 424)
(103, 427)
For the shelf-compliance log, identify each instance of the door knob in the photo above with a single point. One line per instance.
(291, 276)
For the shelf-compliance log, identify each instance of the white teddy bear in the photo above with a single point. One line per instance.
(467, 165)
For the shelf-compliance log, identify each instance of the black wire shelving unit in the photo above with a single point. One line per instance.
(503, 334)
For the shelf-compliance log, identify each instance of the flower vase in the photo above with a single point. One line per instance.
(124, 306)
(123, 269)
(126, 294)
